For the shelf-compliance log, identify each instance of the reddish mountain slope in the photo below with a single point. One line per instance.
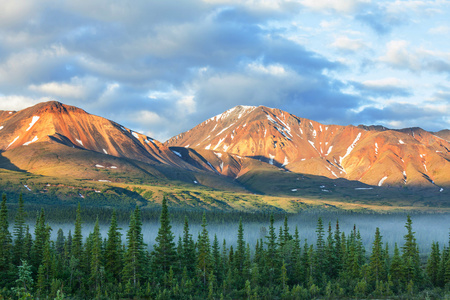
(71, 126)
(367, 154)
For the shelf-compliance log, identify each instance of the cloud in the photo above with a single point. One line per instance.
(18, 102)
(162, 67)
(33, 66)
(13, 12)
(79, 88)
(378, 19)
(346, 44)
(439, 30)
(399, 54)
(384, 88)
(341, 6)
(402, 115)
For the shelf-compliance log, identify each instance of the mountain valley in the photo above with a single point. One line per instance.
(247, 158)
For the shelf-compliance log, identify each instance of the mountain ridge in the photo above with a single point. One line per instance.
(374, 155)
(240, 140)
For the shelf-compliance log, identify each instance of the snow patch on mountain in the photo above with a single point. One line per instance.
(13, 142)
(380, 183)
(79, 142)
(177, 153)
(33, 121)
(224, 129)
(350, 148)
(245, 110)
(32, 141)
(220, 142)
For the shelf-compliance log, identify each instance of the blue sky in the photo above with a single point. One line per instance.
(162, 67)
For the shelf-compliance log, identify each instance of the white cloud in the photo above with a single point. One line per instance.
(21, 67)
(342, 6)
(384, 83)
(439, 30)
(14, 12)
(187, 104)
(148, 118)
(399, 54)
(80, 88)
(18, 102)
(274, 69)
(346, 44)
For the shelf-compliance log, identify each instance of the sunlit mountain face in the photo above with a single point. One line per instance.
(373, 155)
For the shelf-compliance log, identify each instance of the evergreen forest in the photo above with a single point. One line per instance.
(281, 265)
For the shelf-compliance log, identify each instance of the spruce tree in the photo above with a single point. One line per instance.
(338, 248)
(433, 264)
(330, 255)
(134, 258)
(114, 253)
(443, 266)
(96, 265)
(410, 255)
(296, 262)
(397, 270)
(77, 241)
(27, 244)
(188, 257)
(60, 240)
(5, 243)
(25, 280)
(41, 236)
(19, 233)
(240, 249)
(320, 256)
(376, 263)
(164, 253)
(217, 260)
(204, 252)
(272, 260)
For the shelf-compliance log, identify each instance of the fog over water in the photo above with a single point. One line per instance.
(427, 228)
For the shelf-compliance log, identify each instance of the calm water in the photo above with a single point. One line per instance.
(428, 228)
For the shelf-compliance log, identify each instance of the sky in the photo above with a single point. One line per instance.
(162, 67)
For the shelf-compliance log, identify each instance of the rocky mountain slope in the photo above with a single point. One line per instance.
(373, 155)
(243, 149)
(73, 127)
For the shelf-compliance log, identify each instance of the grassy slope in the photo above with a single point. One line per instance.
(57, 174)
(57, 191)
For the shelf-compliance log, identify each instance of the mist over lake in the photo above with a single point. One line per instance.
(427, 228)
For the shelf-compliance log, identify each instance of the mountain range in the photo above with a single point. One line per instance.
(238, 150)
